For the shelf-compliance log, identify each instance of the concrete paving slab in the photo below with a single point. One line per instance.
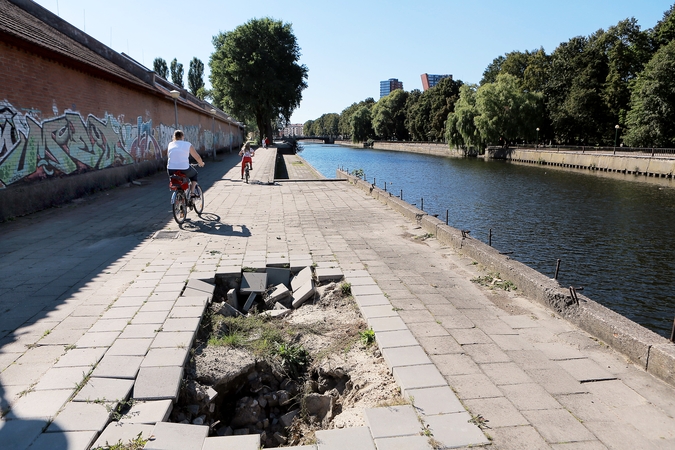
(372, 312)
(62, 337)
(18, 434)
(118, 366)
(66, 440)
(185, 324)
(123, 302)
(39, 405)
(371, 300)
(360, 281)
(194, 300)
(199, 285)
(173, 339)
(440, 345)
(120, 312)
(303, 294)
(328, 274)
(112, 390)
(559, 352)
(117, 432)
(148, 412)
(102, 339)
(62, 378)
(417, 377)
(277, 275)
(392, 421)
(398, 338)
(529, 396)
(179, 312)
(158, 383)
(357, 438)
(159, 357)
(585, 370)
(404, 443)
(141, 331)
(473, 386)
(246, 442)
(109, 325)
(455, 430)
(497, 412)
(80, 416)
(387, 324)
(81, 357)
(435, 400)
(157, 306)
(302, 278)
(189, 292)
(253, 282)
(506, 373)
(558, 426)
(154, 317)
(427, 329)
(367, 289)
(525, 437)
(130, 347)
(405, 356)
(176, 436)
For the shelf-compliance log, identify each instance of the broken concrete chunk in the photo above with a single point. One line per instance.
(232, 298)
(249, 301)
(228, 310)
(303, 294)
(280, 292)
(301, 278)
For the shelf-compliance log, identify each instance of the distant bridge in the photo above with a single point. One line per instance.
(325, 139)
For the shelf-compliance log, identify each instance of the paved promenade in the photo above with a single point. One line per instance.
(92, 314)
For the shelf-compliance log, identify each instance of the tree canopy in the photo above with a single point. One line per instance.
(255, 72)
(177, 73)
(160, 67)
(196, 78)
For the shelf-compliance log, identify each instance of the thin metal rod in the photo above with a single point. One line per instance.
(401, 197)
(422, 204)
(490, 238)
(557, 269)
(446, 216)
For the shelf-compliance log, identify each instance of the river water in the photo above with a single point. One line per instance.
(615, 236)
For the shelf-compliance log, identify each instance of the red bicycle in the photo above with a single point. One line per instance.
(180, 201)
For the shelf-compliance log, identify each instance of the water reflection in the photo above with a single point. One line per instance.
(614, 235)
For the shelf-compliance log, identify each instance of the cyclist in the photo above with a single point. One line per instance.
(247, 154)
(178, 153)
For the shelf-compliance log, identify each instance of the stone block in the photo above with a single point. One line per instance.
(149, 412)
(159, 357)
(279, 293)
(398, 338)
(253, 282)
(303, 294)
(249, 302)
(177, 436)
(200, 285)
(301, 279)
(130, 347)
(232, 298)
(158, 383)
(278, 311)
(167, 339)
(118, 366)
(328, 274)
(228, 310)
(122, 432)
(113, 390)
(405, 356)
(416, 377)
(276, 276)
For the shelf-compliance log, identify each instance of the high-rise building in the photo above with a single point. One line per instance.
(390, 85)
(429, 81)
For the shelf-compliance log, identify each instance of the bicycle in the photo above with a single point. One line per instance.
(247, 172)
(180, 203)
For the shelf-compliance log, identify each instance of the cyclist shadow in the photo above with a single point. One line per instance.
(210, 223)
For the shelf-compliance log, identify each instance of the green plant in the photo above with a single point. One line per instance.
(346, 288)
(367, 337)
(136, 443)
(294, 358)
(359, 173)
(492, 280)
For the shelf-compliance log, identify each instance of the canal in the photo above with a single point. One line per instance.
(615, 236)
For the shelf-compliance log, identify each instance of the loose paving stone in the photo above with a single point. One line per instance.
(117, 366)
(148, 412)
(435, 400)
(159, 357)
(303, 294)
(416, 377)
(357, 438)
(247, 442)
(112, 390)
(328, 274)
(253, 282)
(302, 278)
(39, 405)
(80, 416)
(158, 383)
(392, 421)
(117, 432)
(62, 378)
(67, 440)
(276, 276)
(179, 312)
(199, 285)
(455, 430)
(361, 281)
(194, 300)
(404, 443)
(176, 436)
(405, 356)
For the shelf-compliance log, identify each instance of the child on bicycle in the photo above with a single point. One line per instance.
(247, 154)
(178, 153)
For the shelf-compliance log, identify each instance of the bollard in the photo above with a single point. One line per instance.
(422, 208)
(557, 268)
(672, 333)
(490, 238)
(446, 216)
(374, 182)
(385, 186)
(401, 197)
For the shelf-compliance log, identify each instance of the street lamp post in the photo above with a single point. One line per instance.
(616, 136)
(537, 137)
(174, 95)
(213, 136)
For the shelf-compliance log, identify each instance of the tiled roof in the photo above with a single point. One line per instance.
(23, 26)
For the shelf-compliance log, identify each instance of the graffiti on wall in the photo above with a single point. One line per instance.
(33, 149)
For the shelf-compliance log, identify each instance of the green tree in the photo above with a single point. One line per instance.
(651, 119)
(307, 128)
(196, 77)
(388, 116)
(361, 125)
(460, 129)
(443, 98)
(492, 70)
(176, 73)
(344, 123)
(664, 31)
(255, 72)
(160, 67)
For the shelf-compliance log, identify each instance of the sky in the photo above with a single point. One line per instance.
(349, 46)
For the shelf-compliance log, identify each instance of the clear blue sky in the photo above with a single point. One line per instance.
(349, 46)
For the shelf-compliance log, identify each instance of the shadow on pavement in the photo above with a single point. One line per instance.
(210, 223)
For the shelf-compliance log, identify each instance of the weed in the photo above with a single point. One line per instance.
(367, 337)
(359, 173)
(46, 333)
(479, 421)
(294, 358)
(136, 443)
(396, 308)
(346, 288)
(492, 280)
(70, 347)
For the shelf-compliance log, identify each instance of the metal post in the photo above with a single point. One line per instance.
(422, 204)
(446, 216)
(672, 333)
(401, 194)
(385, 186)
(175, 112)
(557, 269)
(490, 234)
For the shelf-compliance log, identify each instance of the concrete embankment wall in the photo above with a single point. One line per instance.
(643, 164)
(645, 348)
(427, 148)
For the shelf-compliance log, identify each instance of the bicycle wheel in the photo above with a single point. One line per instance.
(180, 207)
(247, 173)
(199, 200)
